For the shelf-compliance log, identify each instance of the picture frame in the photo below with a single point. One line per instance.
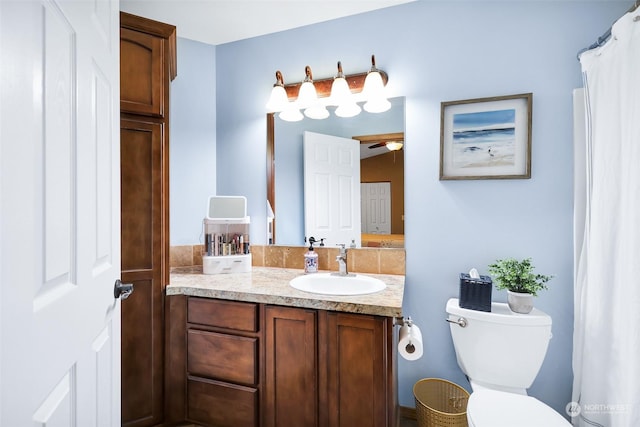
(486, 138)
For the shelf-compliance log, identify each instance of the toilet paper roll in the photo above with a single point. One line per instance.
(410, 342)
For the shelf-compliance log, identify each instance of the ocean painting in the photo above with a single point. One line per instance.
(484, 139)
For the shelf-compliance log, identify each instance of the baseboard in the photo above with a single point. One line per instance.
(408, 413)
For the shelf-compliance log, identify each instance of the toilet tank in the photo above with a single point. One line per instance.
(499, 349)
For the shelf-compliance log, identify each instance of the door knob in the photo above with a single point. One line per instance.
(122, 290)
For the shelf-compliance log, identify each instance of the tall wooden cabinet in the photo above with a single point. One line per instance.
(147, 63)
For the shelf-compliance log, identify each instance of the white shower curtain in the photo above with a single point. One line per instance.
(606, 355)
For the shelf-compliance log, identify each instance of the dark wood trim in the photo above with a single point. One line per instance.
(392, 372)
(172, 55)
(175, 360)
(323, 86)
(146, 25)
(323, 371)
(381, 137)
(271, 168)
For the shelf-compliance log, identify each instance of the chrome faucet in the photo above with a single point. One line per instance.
(342, 261)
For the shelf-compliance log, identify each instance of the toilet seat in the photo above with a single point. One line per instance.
(491, 408)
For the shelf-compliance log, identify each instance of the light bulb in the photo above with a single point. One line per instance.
(307, 95)
(278, 100)
(374, 94)
(394, 145)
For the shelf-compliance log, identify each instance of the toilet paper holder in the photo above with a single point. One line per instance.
(401, 321)
(410, 344)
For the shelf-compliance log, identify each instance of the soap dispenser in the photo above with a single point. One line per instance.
(311, 259)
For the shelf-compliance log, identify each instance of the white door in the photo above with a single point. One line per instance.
(60, 213)
(376, 207)
(332, 189)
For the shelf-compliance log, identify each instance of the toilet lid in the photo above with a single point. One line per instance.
(491, 408)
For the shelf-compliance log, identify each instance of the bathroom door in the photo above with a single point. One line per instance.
(60, 213)
(332, 189)
(376, 207)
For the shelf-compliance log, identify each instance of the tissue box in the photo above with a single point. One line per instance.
(475, 293)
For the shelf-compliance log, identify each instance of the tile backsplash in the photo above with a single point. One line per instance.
(367, 260)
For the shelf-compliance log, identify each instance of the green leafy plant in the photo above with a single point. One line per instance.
(517, 276)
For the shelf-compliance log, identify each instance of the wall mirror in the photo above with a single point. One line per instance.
(380, 167)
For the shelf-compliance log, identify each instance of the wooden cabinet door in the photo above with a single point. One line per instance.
(291, 381)
(142, 76)
(359, 371)
(141, 233)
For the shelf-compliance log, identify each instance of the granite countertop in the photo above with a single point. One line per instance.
(271, 286)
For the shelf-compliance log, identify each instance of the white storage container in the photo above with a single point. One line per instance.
(226, 231)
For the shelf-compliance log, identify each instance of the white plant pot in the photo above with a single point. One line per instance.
(520, 302)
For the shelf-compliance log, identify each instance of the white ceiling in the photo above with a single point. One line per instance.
(222, 21)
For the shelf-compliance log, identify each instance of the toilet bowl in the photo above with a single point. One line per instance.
(501, 353)
(492, 408)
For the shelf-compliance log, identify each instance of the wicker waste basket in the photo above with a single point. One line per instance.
(440, 403)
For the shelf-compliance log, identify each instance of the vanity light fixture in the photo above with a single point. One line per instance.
(373, 91)
(308, 98)
(312, 96)
(342, 97)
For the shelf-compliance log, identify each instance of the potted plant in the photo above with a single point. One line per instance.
(521, 283)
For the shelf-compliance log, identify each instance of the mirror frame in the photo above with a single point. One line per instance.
(271, 172)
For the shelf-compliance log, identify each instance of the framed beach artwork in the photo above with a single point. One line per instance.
(486, 138)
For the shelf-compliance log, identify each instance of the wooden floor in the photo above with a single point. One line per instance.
(405, 422)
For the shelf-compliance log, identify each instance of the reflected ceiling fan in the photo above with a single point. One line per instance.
(391, 145)
(393, 141)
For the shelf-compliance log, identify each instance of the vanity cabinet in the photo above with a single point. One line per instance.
(263, 365)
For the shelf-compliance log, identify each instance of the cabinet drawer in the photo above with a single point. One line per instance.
(221, 356)
(241, 316)
(223, 405)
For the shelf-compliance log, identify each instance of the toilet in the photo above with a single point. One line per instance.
(501, 353)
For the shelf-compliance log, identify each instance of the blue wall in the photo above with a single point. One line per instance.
(433, 51)
(192, 169)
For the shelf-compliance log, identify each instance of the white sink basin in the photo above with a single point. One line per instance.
(330, 284)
